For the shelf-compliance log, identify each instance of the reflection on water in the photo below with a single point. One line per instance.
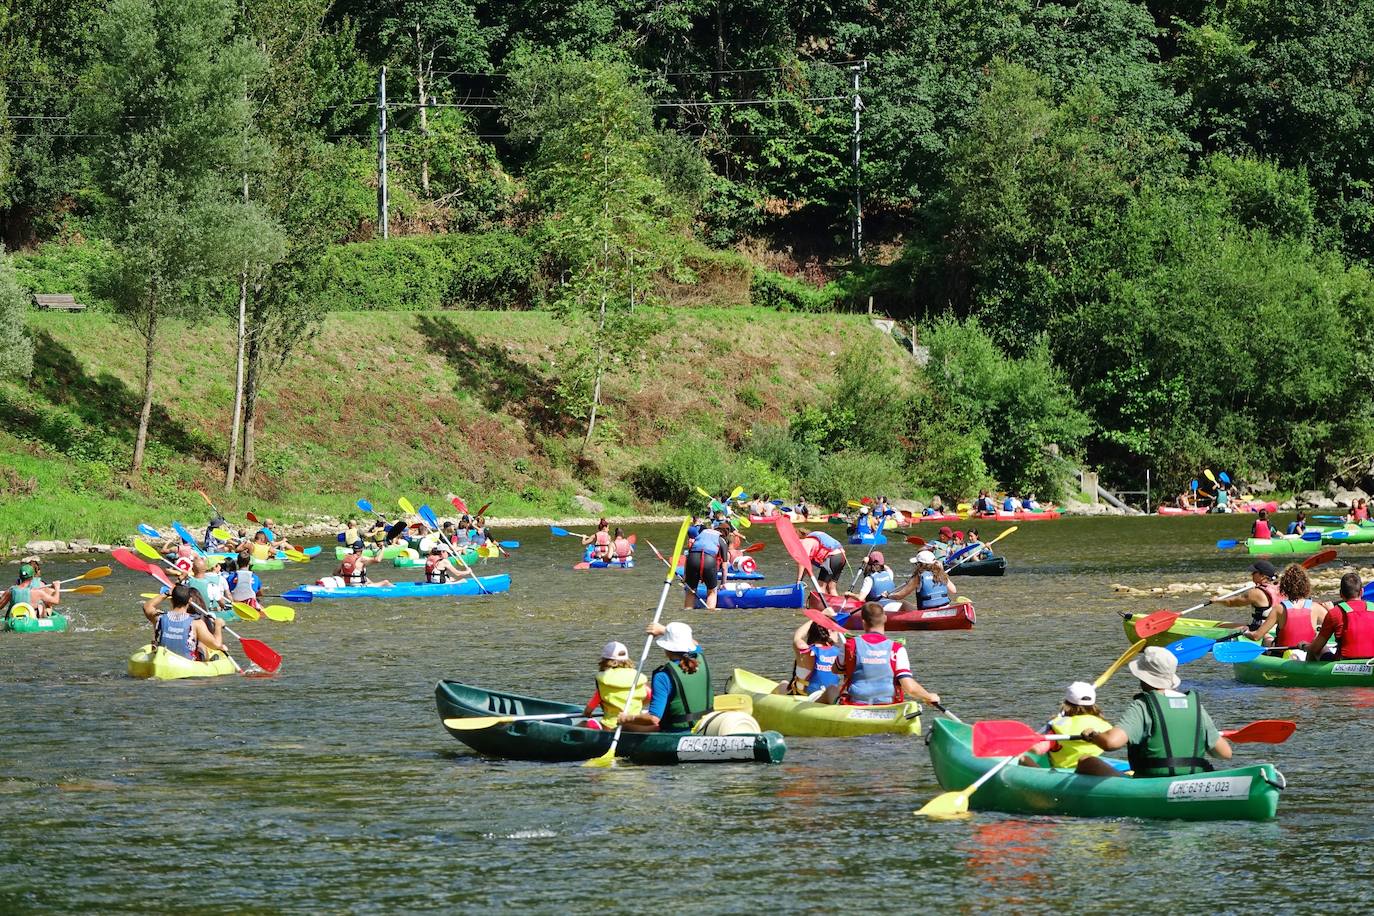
(332, 786)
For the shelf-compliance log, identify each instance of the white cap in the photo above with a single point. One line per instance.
(925, 556)
(1081, 693)
(863, 510)
(677, 637)
(615, 651)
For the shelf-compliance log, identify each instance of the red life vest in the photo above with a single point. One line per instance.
(1361, 513)
(1355, 630)
(817, 551)
(353, 571)
(1262, 530)
(441, 563)
(623, 549)
(1297, 624)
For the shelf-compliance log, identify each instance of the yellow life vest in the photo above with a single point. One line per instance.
(1070, 752)
(261, 551)
(613, 685)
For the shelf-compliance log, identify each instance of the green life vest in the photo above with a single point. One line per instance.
(692, 696)
(19, 594)
(203, 587)
(1177, 743)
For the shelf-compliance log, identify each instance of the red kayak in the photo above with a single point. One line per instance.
(1020, 515)
(947, 517)
(764, 519)
(1174, 510)
(910, 617)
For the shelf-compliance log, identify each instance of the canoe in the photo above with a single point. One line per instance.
(1271, 671)
(494, 585)
(1020, 515)
(563, 741)
(941, 517)
(1280, 545)
(606, 564)
(738, 575)
(764, 519)
(1243, 793)
(469, 556)
(1349, 535)
(1184, 626)
(1271, 507)
(389, 552)
(960, 615)
(868, 537)
(268, 564)
(988, 566)
(1175, 510)
(162, 665)
(741, 597)
(56, 623)
(795, 716)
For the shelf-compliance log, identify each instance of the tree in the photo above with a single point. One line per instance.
(16, 347)
(166, 103)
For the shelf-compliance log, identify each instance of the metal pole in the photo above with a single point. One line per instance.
(857, 232)
(383, 194)
(1147, 491)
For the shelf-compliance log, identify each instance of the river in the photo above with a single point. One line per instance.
(332, 786)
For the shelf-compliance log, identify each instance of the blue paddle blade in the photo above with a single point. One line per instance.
(776, 502)
(1193, 484)
(364, 505)
(341, 537)
(1327, 518)
(1234, 653)
(148, 531)
(428, 515)
(311, 551)
(1337, 535)
(1227, 544)
(560, 532)
(1190, 648)
(1368, 593)
(510, 545)
(1311, 535)
(186, 536)
(298, 594)
(1224, 479)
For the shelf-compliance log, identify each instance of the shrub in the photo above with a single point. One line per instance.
(851, 473)
(73, 269)
(673, 475)
(770, 289)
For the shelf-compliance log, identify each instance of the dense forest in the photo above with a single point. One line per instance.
(1139, 231)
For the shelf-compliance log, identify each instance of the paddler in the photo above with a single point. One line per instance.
(205, 599)
(262, 549)
(439, 567)
(802, 509)
(943, 545)
(1030, 503)
(1296, 618)
(28, 589)
(615, 674)
(705, 565)
(212, 543)
(680, 689)
(827, 560)
(353, 568)
(1350, 621)
(244, 584)
(1261, 529)
(600, 542)
(876, 669)
(864, 526)
(929, 583)
(936, 507)
(479, 534)
(878, 581)
(178, 630)
(1165, 732)
(622, 551)
(350, 532)
(1078, 713)
(1298, 526)
(1259, 599)
(1010, 504)
(1222, 503)
(817, 666)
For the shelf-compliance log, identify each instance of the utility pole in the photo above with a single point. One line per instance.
(857, 231)
(383, 195)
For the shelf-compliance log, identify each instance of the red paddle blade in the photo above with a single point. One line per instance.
(125, 557)
(486, 506)
(157, 573)
(1265, 731)
(791, 542)
(755, 548)
(633, 539)
(916, 541)
(1156, 623)
(1003, 738)
(261, 654)
(459, 505)
(254, 519)
(829, 623)
(1319, 559)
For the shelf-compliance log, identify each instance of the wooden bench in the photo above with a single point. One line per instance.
(57, 303)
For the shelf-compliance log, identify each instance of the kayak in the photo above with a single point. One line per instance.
(628, 563)
(56, 623)
(796, 716)
(1175, 510)
(741, 597)
(958, 616)
(739, 575)
(868, 537)
(563, 740)
(988, 566)
(1020, 515)
(389, 552)
(764, 519)
(270, 563)
(1271, 507)
(1183, 626)
(162, 665)
(1272, 671)
(1349, 535)
(1280, 545)
(413, 560)
(493, 584)
(945, 517)
(1243, 793)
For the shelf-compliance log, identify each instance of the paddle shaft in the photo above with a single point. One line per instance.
(989, 544)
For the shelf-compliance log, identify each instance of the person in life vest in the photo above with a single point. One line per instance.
(1260, 599)
(943, 545)
(1296, 618)
(622, 548)
(1298, 526)
(680, 689)
(1360, 511)
(179, 630)
(600, 542)
(219, 585)
(876, 669)
(819, 653)
(705, 565)
(878, 580)
(350, 532)
(353, 568)
(984, 504)
(244, 584)
(864, 525)
(1222, 503)
(210, 542)
(40, 598)
(802, 509)
(1350, 621)
(827, 560)
(1078, 713)
(614, 678)
(1260, 528)
(1185, 500)
(439, 568)
(1030, 503)
(1010, 504)
(1165, 732)
(936, 507)
(928, 583)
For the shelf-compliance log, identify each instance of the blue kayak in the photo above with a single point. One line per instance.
(493, 584)
(868, 537)
(728, 596)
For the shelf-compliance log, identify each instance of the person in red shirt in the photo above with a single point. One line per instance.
(876, 669)
(1351, 621)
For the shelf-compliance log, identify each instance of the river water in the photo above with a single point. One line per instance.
(332, 786)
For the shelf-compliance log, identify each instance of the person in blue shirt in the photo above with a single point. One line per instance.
(680, 689)
(705, 565)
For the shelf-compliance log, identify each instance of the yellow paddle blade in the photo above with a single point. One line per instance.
(86, 590)
(854, 504)
(98, 572)
(477, 722)
(964, 507)
(605, 760)
(734, 494)
(405, 505)
(1126, 656)
(20, 610)
(703, 493)
(741, 521)
(148, 550)
(279, 612)
(677, 548)
(149, 595)
(222, 533)
(1002, 535)
(1207, 472)
(946, 804)
(296, 556)
(246, 611)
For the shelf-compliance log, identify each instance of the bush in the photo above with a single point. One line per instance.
(851, 473)
(681, 466)
(776, 447)
(68, 269)
(770, 289)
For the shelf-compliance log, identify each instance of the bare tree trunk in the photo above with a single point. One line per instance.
(424, 111)
(250, 410)
(232, 463)
(144, 415)
(601, 322)
(720, 48)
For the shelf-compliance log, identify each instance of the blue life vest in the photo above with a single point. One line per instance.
(823, 661)
(1027, 504)
(1009, 504)
(177, 635)
(244, 586)
(693, 531)
(826, 541)
(864, 525)
(1293, 528)
(881, 584)
(931, 593)
(478, 537)
(707, 543)
(871, 683)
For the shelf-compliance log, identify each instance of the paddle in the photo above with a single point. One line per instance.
(246, 611)
(426, 513)
(1264, 731)
(459, 505)
(85, 590)
(1236, 653)
(151, 552)
(298, 595)
(208, 503)
(787, 533)
(1225, 479)
(186, 536)
(971, 546)
(915, 540)
(259, 653)
(278, 612)
(148, 531)
(509, 545)
(564, 532)
(955, 804)
(127, 558)
(1227, 544)
(97, 572)
(724, 702)
(406, 506)
(1190, 648)
(820, 618)
(608, 759)
(1007, 738)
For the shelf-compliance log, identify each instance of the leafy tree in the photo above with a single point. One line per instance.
(16, 346)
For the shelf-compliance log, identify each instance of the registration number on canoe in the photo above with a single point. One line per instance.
(1211, 789)
(931, 615)
(1359, 668)
(714, 747)
(873, 715)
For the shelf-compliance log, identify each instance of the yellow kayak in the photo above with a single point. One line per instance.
(162, 665)
(800, 717)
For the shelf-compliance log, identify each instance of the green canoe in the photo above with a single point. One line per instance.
(470, 556)
(1244, 793)
(389, 552)
(1271, 671)
(1281, 545)
(560, 741)
(268, 564)
(1184, 626)
(1350, 534)
(57, 623)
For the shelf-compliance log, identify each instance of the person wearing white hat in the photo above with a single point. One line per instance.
(1078, 713)
(1165, 732)
(680, 689)
(928, 582)
(865, 525)
(615, 678)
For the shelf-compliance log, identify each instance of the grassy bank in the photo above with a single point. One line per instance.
(387, 404)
